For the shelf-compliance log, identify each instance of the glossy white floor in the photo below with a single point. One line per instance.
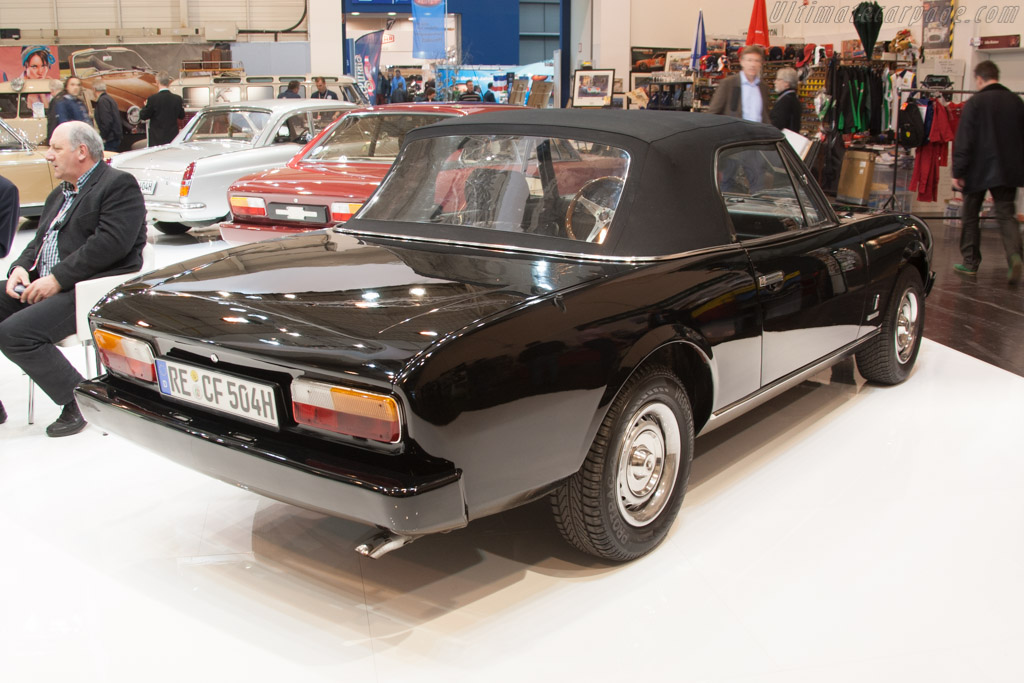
(843, 532)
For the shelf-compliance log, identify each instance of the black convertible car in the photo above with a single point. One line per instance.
(534, 303)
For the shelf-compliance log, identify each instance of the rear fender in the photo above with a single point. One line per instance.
(685, 352)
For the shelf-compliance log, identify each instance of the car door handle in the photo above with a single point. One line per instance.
(770, 280)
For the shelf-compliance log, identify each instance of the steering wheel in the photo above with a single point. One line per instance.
(602, 214)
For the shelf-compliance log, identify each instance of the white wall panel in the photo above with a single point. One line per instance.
(100, 15)
(86, 14)
(151, 13)
(252, 14)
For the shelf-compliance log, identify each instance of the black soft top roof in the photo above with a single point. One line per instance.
(645, 126)
(670, 203)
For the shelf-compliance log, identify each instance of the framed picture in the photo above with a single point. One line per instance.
(618, 101)
(650, 58)
(638, 80)
(678, 60)
(592, 88)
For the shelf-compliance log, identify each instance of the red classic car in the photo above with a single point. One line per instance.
(331, 177)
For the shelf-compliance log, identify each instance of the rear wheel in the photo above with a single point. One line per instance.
(622, 502)
(171, 228)
(890, 356)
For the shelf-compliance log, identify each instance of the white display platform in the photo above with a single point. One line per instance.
(841, 533)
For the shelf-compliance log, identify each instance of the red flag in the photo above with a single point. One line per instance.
(757, 34)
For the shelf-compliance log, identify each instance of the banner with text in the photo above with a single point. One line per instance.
(428, 31)
(367, 64)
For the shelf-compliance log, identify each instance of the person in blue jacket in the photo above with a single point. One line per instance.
(70, 106)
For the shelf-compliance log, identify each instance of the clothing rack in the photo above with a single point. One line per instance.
(891, 201)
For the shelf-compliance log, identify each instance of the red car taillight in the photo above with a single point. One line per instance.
(247, 206)
(186, 180)
(346, 411)
(126, 356)
(342, 211)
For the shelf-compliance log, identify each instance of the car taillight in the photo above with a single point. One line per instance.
(346, 411)
(342, 211)
(126, 356)
(186, 180)
(247, 206)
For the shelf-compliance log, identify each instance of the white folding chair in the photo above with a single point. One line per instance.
(87, 294)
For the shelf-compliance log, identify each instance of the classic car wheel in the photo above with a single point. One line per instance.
(171, 228)
(601, 214)
(889, 357)
(622, 502)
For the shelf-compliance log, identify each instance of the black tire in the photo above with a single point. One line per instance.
(171, 228)
(620, 512)
(890, 356)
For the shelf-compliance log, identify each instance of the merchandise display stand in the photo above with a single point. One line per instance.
(891, 200)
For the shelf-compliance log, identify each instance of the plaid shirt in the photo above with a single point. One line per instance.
(49, 254)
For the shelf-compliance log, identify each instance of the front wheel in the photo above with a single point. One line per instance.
(890, 356)
(623, 500)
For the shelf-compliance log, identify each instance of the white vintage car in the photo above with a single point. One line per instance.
(185, 182)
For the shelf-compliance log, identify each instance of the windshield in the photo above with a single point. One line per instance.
(543, 186)
(9, 140)
(96, 61)
(351, 93)
(233, 124)
(369, 136)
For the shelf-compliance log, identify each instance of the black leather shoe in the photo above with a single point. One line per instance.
(3, 414)
(70, 422)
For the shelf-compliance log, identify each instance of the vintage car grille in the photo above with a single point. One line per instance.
(305, 213)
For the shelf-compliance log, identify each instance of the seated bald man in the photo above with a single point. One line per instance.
(93, 224)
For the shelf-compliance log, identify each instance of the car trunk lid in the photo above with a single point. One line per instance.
(339, 303)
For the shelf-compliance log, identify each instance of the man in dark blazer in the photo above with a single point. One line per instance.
(108, 119)
(92, 225)
(163, 111)
(988, 156)
(744, 95)
(10, 214)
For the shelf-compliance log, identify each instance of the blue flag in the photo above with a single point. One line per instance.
(428, 31)
(700, 44)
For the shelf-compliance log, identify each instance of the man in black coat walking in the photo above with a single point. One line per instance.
(988, 156)
(163, 111)
(108, 119)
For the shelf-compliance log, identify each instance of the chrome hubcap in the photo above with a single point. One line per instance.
(906, 326)
(647, 464)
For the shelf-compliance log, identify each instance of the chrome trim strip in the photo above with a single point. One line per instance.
(780, 386)
(544, 252)
(172, 206)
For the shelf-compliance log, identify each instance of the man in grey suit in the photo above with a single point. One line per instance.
(93, 224)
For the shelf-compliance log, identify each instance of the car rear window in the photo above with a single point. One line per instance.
(228, 124)
(555, 187)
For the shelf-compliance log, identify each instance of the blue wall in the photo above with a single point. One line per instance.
(490, 28)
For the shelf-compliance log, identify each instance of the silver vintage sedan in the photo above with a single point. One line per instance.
(185, 182)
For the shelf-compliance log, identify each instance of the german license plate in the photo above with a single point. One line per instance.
(147, 186)
(228, 394)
